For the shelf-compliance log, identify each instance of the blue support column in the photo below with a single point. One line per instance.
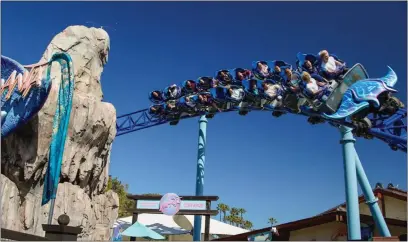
(350, 177)
(371, 200)
(200, 173)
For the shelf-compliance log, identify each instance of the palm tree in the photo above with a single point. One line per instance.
(272, 221)
(219, 208)
(247, 225)
(223, 208)
(234, 211)
(228, 219)
(241, 211)
(238, 221)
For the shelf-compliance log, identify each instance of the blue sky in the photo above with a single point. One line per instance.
(281, 167)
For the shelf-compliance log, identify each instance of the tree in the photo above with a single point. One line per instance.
(241, 211)
(121, 189)
(247, 225)
(272, 221)
(234, 211)
(224, 208)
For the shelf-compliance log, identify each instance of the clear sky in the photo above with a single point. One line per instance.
(281, 167)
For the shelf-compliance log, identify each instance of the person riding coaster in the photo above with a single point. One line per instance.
(313, 89)
(240, 74)
(188, 104)
(208, 104)
(203, 84)
(272, 95)
(309, 63)
(172, 92)
(157, 110)
(156, 97)
(330, 66)
(291, 90)
(223, 78)
(189, 86)
(261, 70)
(227, 98)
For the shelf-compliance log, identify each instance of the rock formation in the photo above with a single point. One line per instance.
(84, 172)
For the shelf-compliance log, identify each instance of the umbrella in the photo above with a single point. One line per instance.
(139, 230)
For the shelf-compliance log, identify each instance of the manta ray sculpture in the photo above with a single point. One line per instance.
(362, 93)
(24, 91)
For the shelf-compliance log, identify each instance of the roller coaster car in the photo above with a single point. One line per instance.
(156, 97)
(189, 86)
(205, 83)
(172, 92)
(362, 96)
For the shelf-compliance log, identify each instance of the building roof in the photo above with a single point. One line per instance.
(390, 191)
(337, 213)
(164, 224)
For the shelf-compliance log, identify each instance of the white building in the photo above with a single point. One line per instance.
(165, 225)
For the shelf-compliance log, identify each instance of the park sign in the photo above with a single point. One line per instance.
(170, 204)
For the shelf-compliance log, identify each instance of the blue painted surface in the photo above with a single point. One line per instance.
(202, 140)
(371, 200)
(19, 110)
(350, 178)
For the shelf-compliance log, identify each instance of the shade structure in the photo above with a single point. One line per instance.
(139, 230)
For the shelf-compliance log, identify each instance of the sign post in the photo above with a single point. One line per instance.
(171, 204)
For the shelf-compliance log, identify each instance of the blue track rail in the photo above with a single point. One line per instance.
(392, 129)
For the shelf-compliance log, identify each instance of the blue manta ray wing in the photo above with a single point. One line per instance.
(347, 107)
(368, 91)
(391, 78)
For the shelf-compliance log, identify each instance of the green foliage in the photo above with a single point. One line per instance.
(236, 216)
(121, 189)
(272, 221)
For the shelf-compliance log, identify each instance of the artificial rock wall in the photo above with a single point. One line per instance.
(84, 172)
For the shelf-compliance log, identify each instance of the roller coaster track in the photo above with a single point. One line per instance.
(392, 129)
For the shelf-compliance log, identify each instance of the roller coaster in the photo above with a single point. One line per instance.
(353, 100)
(320, 87)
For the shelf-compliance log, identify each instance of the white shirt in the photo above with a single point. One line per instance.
(330, 66)
(312, 86)
(237, 93)
(272, 90)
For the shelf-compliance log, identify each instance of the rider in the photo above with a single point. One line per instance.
(224, 76)
(191, 85)
(289, 77)
(156, 109)
(241, 74)
(253, 87)
(313, 86)
(207, 100)
(272, 90)
(331, 67)
(312, 70)
(156, 95)
(172, 92)
(263, 68)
